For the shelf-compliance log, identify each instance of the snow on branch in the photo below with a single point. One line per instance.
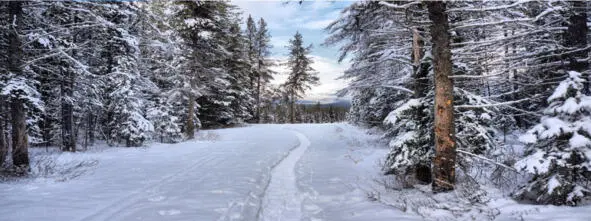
(405, 6)
(486, 160)
(497, 8)
(493, 104)
(403, 89)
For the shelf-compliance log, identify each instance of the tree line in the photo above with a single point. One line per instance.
(449, 80)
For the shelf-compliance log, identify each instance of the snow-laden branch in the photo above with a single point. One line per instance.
(493, 104)
(496, 8)
(481, 24)
(403, 89)
(486, 43)
(486, 160)
(466, 76)
(405, 6)
(82, 66)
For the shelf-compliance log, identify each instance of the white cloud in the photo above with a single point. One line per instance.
(319, 24)
(280, 41)
(328, 72)
(275, 13)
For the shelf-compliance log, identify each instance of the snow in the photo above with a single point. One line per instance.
(578, 140)
(318, 172)
(574, 81)
(260, 172)
(392, 117)
(534, 163)
(552, 184)
(282, 201)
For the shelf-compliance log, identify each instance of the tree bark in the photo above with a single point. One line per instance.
(68, 138)
(445, 145)
(258, 98)
(291, 109)
(190, 127)
(20, 144)
(3, 144)
(20, 153)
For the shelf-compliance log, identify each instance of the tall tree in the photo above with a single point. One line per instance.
(17, 88)
(302, 76)
(263, 74)
(445, 145)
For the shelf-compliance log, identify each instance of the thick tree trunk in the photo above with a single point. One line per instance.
(20, 152)
(68, 138)
(190, 127)
(3, 144)
(445, 145)
(576, 37)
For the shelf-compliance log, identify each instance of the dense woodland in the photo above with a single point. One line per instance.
(127, 73)
(448, 82)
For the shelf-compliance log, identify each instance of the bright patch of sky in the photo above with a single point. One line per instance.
(309, 18)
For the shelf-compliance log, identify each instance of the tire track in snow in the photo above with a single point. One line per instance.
(114, 209)
(282, 200)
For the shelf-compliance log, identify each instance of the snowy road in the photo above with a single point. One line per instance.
(260, 172)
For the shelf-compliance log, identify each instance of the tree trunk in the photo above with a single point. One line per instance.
(291, 109)
(190, 133)
(576, 37)
(3, 144)
(68, 141)
(258, 98)
(445, 146)
(20, 152)
(421, 86)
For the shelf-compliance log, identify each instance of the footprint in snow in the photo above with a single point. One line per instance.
(156, 198)
(170, 212)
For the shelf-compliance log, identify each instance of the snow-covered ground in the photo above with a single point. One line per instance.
(260, 172)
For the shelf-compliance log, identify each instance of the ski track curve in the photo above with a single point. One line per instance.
(282, 200)
(114, 209)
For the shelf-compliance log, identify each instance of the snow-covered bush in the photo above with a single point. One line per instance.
(559, 150)
(166, 125)
(412, 145)
(412, 142)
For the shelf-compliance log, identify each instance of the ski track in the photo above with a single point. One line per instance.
(118, 207)
(282, 200)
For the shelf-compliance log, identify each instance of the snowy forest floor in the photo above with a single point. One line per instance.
(260, 172)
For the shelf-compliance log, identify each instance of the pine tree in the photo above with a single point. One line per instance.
(302, 76)
(557, 154)
(263, 75)
(18, 84)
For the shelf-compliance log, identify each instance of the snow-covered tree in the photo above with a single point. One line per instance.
(301, 76)
(559, 147)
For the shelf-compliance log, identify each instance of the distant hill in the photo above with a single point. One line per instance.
(328, 102)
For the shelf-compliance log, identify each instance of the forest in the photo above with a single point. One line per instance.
(449, 82)
(464, 93)
(130, 72)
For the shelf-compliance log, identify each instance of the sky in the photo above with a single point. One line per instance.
(310, 18)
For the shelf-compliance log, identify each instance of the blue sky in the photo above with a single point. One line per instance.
(309, 18)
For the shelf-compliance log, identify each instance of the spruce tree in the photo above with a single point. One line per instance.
(558, 148)
(301, 76)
